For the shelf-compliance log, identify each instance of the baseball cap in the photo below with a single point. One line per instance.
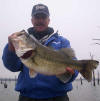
(40, 8)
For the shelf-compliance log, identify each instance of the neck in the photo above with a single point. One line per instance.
(39, 35)
(40, 31)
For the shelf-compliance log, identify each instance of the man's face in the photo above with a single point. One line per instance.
(40, 22)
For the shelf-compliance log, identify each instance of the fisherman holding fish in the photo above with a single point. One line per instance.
(40, 56)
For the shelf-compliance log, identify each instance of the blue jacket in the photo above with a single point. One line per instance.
(41, 86)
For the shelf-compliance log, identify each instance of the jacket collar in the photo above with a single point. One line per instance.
(40, 35)
(44, 37)
(51, 38)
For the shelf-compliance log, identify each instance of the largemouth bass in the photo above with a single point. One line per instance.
(45, 60)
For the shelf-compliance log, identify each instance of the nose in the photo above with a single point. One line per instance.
(40, 20)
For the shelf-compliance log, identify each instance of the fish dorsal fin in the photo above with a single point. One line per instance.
(69, 52)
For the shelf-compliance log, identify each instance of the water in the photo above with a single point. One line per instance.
(8, 94)
(85, 92)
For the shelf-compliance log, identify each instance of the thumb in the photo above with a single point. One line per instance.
(10, 45)
(70, 70)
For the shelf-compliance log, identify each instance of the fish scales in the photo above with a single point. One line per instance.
(45, 60)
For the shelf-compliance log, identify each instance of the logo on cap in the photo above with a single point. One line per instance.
(39, 7)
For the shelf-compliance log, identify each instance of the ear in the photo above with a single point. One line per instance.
(48, 20)
(32, 21)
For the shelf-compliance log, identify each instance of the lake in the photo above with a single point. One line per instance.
(84, 92)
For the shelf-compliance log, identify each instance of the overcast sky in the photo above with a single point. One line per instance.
(77, 20)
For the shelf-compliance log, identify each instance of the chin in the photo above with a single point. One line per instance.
(40, 29)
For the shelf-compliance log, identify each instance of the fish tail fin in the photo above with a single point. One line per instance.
(88, 67)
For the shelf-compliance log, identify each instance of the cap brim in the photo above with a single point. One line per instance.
(40, 12)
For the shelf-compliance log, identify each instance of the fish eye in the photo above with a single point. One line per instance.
(27, 36)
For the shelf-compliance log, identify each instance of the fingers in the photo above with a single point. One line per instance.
(10, 45)
(14, 35)
(70, 70)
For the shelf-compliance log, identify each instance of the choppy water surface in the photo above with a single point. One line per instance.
(85, 92)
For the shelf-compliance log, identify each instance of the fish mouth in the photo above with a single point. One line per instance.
(27, 54)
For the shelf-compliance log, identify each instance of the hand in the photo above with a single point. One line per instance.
(70, 70)
(14, 35)
(10, 45)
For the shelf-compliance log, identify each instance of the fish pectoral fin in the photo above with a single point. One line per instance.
(32, 73)
(64, 77)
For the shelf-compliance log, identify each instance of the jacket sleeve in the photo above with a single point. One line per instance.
(10, 60)
(66, 44)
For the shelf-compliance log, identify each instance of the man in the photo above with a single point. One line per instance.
(42, 87)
